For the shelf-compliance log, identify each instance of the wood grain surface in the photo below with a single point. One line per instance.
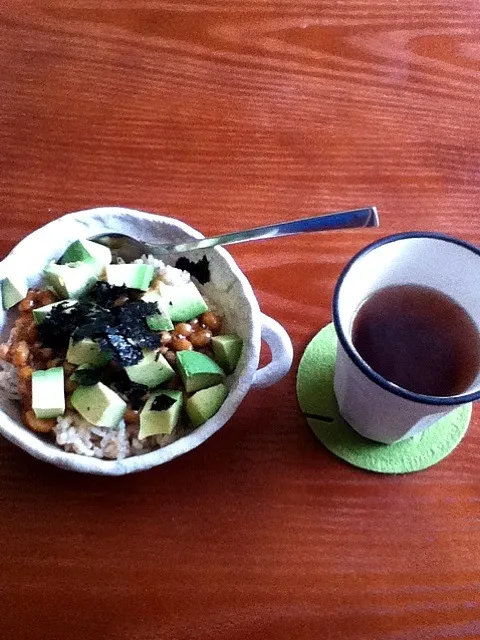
(228, 115)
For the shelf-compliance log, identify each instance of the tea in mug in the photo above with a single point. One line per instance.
(419, 339)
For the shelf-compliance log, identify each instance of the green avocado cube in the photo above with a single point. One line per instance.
(183, 301)
(95, 255)
(41, 313)
(205, 403)
(14, 289)
(87, 351)
(226, 350)
(70, 280)
(99, 405)
(133, 276)
(151, 371)
(161, 413)
(159, 321)
(48, 394)
(197, 370)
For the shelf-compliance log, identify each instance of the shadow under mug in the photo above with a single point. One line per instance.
(375, 407)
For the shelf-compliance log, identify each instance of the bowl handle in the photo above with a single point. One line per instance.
(282, 354)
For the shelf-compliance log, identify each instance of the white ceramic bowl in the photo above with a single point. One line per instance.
(228, 290)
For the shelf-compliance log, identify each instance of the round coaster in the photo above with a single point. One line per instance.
(318, 403)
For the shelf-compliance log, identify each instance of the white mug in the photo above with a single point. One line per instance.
(375, 407)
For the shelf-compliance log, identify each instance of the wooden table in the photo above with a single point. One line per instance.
(227, 115)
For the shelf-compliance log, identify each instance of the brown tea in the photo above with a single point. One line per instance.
(418, 338)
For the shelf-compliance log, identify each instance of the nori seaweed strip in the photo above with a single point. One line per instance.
(64, 320)
(162, 402)
(106, 294)
(199, 270)
(130, 391)
(121, 349)
(87, 377)
(131, 320)
(122, 331)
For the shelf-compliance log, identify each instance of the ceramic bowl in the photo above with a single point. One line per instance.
(228, 290)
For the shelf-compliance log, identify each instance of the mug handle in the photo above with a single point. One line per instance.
(282, 354)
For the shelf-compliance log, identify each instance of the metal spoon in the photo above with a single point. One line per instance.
(130, 249)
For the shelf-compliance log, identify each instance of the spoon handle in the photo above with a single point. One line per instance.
(367, 217)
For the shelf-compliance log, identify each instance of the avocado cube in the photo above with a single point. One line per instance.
(197, 370)
(87, 351)
(133, 276)
(160, 321)
(41, 313)
(48, 394)
(97, 256)
(70, 280)
(226, 350)
(183, 302)
(14, 289)
(99, 405)
(151, 371)
(205, 403)
(161, 413)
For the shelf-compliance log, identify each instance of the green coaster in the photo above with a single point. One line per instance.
(318, 403)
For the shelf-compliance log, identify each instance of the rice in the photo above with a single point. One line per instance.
(75, 435)
(9, 380)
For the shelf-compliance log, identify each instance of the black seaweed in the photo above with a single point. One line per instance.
(122, 331)
(130, 391)
(162, 402)
(87, 377)
(105, 294)
(131, 320)
(199, 270)
(122, 350)
(83, 319)
(90, 323)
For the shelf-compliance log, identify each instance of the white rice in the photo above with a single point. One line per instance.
(76, 435)
(9, 380)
